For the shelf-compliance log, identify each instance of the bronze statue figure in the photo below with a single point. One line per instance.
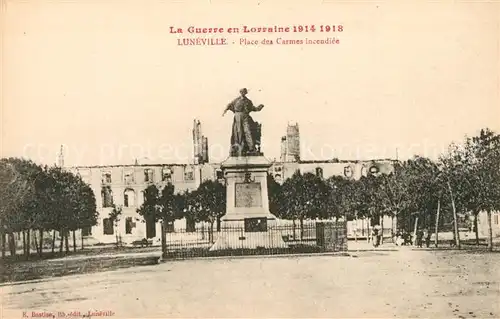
(245, 136)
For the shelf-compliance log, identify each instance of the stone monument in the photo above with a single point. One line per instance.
(248, 223)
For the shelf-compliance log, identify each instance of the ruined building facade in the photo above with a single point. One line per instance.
(123, 185)
(290, 144)
(200, 144)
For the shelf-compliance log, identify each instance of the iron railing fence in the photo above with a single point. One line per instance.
(309, 237)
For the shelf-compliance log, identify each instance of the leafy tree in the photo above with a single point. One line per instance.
(209, 203)
(149, 208)
(304, 197)
(285, 200)
(424, 190)
(485, 176)
(342, 199)
(168, 202)
(87, 210)
(62, 204)
(164, 206)
(369, 191)
(169, 205)
(394, 194)
(58, 193)
(456, 168)
(42, 198)
(44, 205)
(274, 191)
(26, 210)
(15, 191)
(70, 204)
(81, 205)
(186, 206)
(114, 217)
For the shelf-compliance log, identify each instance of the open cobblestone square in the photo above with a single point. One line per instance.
(368, 284)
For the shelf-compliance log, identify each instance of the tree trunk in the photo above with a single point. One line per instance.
(368, 230)
(455, 218)
(476, 230)
(74, 241)
(301, 228)
(218, 224)
(41, 243)
(24, 243)
(2, 235)
(66, 240)
(61, 247)
(211, 235)
(35, 240)
(382, 229)
(163, 239)
(355, 231)
(392, 228)
(28, 243)
(53, 240)
(82, 238)
(415, 227)
(116, 239)
(293, 226)
(12, 244)
(490, 232)
(436, 231)
(454, 234)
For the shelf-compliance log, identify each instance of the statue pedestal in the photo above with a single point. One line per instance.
(248, 224)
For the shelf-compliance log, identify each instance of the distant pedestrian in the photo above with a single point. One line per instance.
(399, 238)
(407, 240)
(420, 236)
(379, 235)
(427, 237)
(375, 236)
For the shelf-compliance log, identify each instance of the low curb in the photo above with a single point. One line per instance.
(374, 249)
(336, 254)
(31, 281)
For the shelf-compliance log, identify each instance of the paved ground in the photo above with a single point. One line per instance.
(402, 283)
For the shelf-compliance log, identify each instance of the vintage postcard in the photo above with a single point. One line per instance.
(250, 159)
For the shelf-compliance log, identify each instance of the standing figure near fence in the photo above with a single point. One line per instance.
(427, 237)
(399, 238)
(380, 233)
(376, 236)
(420, 236)
(407, 238)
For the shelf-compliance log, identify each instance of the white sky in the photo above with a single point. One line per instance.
(106, 79)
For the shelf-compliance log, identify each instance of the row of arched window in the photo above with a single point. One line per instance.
(166, 175)
(129, 197)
